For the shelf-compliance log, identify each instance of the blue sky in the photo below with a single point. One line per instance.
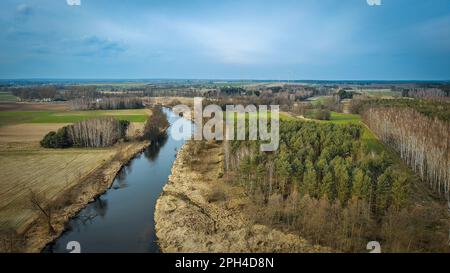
(233, 39)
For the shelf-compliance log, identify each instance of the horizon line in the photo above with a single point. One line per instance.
(220, 79)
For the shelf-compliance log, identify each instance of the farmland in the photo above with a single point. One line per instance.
(26, 167)
(7, 97)
(20, 117)
(48, 172)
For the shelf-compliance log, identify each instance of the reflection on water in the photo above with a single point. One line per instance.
(121, 220)
(152, 152)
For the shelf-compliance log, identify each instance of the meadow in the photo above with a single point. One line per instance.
(18, 117)
(7, 97)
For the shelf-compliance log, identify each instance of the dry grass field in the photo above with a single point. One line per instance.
(20, 133)
(47, 172)
(170, 100)
(13, 106)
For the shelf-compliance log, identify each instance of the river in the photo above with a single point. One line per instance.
(121, 220)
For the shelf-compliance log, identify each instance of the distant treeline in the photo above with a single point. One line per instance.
(427, 91)
(431, 109)
(41, 92)
(99, 132)
(431, 93)
(107, 103)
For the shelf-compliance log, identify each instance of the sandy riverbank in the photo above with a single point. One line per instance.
(189, 218)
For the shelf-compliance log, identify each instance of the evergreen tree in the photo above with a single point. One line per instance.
(327, 187)
(342, 180)
(310, 180)
(400, 192)
(361, 185)
(383, 191)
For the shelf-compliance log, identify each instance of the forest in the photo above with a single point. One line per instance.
(422, 140)
(324, 184)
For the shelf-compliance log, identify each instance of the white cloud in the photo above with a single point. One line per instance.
(73, 2)
(230, 43)
(374, 2)
(24, 10)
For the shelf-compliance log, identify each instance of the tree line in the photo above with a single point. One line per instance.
(99, 132)
(40, 92)
(104, 131)
(114, 103)
(422, 141)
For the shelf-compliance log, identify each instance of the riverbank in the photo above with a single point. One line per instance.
(68, 204)
(199, 212)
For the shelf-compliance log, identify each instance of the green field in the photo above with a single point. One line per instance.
(7, 97)
(381, 92)
(341, 118)
(368, 136)
(18, 117)
(318, 100)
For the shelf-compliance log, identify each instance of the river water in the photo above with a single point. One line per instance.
(121, 220)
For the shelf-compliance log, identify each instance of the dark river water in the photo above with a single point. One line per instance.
(121, 220)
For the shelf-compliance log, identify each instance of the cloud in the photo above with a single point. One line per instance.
(74, 2)
(96, 46)
(24, 10)
(228, 43)
(374, 2)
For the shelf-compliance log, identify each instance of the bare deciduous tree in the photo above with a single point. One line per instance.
(43, 205)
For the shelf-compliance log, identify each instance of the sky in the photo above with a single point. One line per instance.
(225, 39)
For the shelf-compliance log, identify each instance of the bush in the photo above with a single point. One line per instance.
(322, 114)
(156, 124)
(216, 193)
(59, 139)
(123, 126)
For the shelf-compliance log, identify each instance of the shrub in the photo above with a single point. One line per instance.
(323, 114)
(156, 124)
(59, 139)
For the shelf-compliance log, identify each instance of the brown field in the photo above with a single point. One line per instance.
(25, 166)
(20, 133)
(47, 172)
(25, 106)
